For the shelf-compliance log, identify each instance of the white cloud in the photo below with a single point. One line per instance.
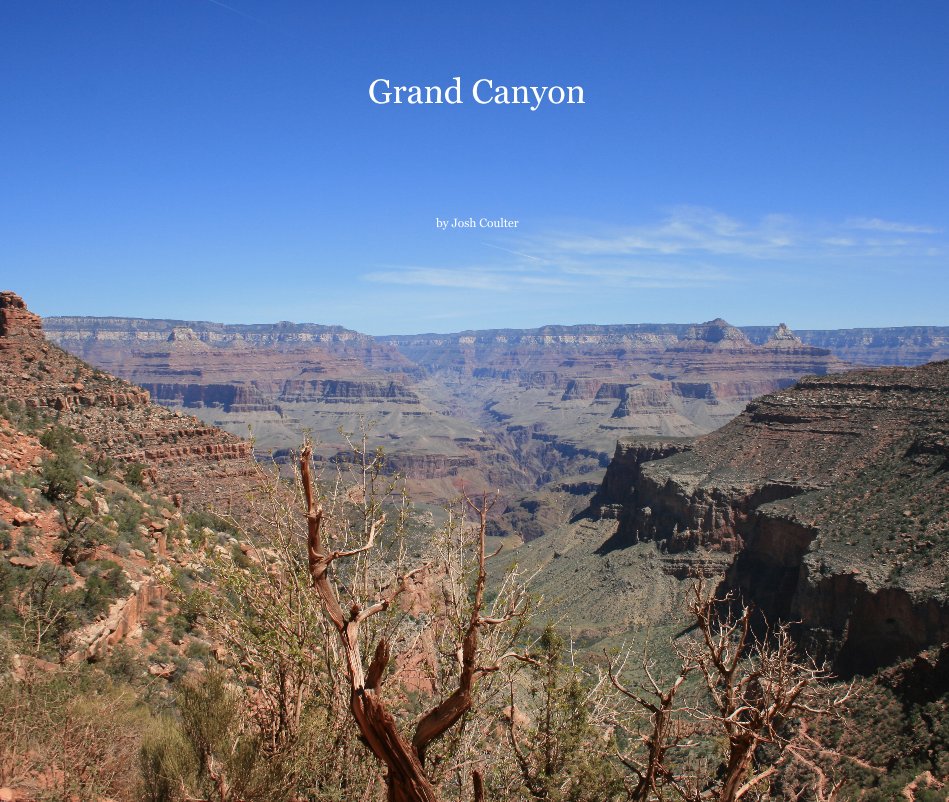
(690, 247)
(689, 232)
(876, 224)
(470, 279)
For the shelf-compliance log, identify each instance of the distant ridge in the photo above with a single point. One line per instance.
(896, 345)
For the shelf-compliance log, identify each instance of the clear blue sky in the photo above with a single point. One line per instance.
(221, 160)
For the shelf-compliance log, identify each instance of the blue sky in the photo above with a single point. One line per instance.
(221, 160)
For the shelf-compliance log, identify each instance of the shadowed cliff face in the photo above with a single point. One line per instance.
(835, 496)
(481, 409)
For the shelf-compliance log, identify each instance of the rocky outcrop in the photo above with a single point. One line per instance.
(716, 334)
(581, 388)
(341, 390)
(783, 337)
(836, 496)
(643, 398)
(904, 345)
(622, 482)
(429, 466)
(124, 617)
(116, 418)
(16, 320)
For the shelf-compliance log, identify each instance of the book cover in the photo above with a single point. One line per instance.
(643, 303)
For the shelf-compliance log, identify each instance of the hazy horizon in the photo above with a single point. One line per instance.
(419, 333)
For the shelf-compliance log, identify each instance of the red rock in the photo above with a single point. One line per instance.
(24, 518)
(16, 320)
(164, 670)
(24, 562)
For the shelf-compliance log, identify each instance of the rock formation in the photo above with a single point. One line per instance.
(115, 417)
(183, 461)
(903, 345)
(833, 494)
(16, 320)
(504, 408)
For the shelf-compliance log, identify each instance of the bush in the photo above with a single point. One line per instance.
(167, 762)
(135, 475)
(199, 519)
(104, 466)
(25, 419)
(60, 439)
(197, 650)
(128, 515)
(14, 493)
(61, 475)
(124, 663)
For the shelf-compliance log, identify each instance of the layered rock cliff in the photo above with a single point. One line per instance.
(96, 488)
(833, 494)
(115, 417)
(899, 345)
(464, 400)
(505, 408)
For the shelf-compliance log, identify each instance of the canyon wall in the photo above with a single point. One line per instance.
(834, 495)
(512, 409)
(178, 452)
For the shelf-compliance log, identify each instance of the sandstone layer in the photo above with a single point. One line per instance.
(512, 409)
(116, 418)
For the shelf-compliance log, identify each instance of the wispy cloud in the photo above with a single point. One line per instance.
(251, 17)
(539, 275)
(687, 232)
(876, 224)
(237, 11)
(508, 250)
(688, 247)
(467, 278)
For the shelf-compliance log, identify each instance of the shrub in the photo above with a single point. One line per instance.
(61, 475)
(11, 491)
(134, 475)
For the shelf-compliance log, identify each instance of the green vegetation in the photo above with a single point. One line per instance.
(23, 418)
(134, 475)
(62, 471)
(241, 690)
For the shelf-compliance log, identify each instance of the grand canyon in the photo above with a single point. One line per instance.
(804, 473)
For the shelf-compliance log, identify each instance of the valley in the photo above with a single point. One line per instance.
(633, 463)
(510, 408)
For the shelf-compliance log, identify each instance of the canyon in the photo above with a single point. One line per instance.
(640, 460)
(497, 408)
(815, 490)
(826, 504)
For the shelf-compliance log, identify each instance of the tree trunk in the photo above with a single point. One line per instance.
(405, 780)
(739, 761)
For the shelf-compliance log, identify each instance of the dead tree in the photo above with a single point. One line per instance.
(406, 778)
(756, 686)
(652, 771)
